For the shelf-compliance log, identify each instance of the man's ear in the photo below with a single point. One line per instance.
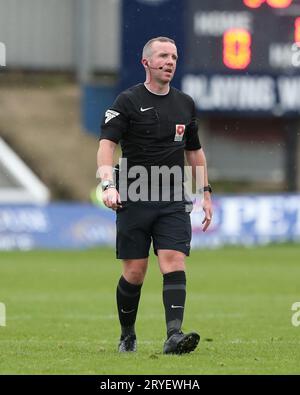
(145, 63)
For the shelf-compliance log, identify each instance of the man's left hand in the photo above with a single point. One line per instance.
(207, 208)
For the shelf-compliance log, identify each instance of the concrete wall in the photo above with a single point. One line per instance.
(43, 33)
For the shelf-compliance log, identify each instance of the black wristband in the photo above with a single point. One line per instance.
(207, 188)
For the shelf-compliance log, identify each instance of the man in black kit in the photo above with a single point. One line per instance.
(156, 126)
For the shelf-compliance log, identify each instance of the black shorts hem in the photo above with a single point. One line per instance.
(183, 250)
(120, 256)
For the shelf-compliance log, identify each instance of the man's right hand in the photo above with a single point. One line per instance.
(111, 198)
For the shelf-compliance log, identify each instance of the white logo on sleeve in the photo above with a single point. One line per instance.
(110, 114)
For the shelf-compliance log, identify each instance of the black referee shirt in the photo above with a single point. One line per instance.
(153, 130)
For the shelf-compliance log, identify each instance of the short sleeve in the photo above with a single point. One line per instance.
(192, 139)
(115, 120)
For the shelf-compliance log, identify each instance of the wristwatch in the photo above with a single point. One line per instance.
(107, 184)
(207, 188)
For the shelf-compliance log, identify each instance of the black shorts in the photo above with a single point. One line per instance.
(167, 224)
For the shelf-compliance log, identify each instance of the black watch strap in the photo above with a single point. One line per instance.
(207, 188)
(107, 184)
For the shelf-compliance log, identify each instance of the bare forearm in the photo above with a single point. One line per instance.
(105, 159)
(197, 159)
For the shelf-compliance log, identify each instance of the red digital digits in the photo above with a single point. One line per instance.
(279, 3)
(297, 31)
(271, 3)
(237, 48)
(253, 3)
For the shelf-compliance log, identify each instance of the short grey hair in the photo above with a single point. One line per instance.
(147, 48)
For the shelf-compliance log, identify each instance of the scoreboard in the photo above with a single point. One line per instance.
(243, 35)
(235, 56)
(243, 55)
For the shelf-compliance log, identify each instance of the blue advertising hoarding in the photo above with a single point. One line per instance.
(55, 226)
(240, 220)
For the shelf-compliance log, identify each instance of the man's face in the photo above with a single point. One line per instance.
(164, 54)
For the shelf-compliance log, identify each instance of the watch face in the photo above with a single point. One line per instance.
(105, 184)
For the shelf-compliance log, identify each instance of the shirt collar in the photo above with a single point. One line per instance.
(154, 93)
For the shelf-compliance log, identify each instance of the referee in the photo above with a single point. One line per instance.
(156, 127)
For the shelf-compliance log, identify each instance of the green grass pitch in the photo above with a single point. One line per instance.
(61, 316)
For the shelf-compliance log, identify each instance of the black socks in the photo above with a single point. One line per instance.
(128, 296)
(174, 292)
(174, 299)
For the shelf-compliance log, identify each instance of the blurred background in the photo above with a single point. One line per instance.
(62, 63)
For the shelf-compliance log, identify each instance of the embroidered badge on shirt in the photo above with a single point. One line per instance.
(180, 129)
(110, 114)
